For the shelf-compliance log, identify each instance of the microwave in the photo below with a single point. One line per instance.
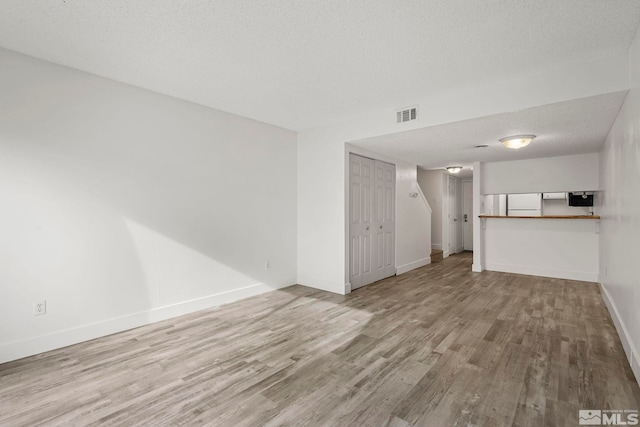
(580, 199)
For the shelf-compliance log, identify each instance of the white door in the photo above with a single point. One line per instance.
(467, 215)
(384, 220)
(361, 172)
(371, 220)
(453, 212)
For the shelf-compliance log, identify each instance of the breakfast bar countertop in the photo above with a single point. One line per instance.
(544, 216)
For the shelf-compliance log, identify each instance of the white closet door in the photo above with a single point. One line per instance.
(384, 220)
(361, 222)
(372, 220)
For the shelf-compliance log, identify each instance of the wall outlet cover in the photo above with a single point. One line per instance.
(40, 308)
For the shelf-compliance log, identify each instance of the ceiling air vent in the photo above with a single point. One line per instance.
(407, 114)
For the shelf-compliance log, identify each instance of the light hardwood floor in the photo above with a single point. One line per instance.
(436, 346)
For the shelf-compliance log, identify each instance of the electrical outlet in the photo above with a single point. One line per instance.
(40, 308)
(267, 265)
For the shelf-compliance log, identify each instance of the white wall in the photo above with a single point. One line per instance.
(413, 221)
(432, 184)
(479, 208)
(121, 206)
(562, 248)
(620, 211)
(553, 174)
(321, 153)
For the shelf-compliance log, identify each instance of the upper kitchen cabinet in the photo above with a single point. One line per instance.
(553, 174)
(554, 196)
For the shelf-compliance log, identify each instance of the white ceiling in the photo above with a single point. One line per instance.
(572, 127)
(304, 64)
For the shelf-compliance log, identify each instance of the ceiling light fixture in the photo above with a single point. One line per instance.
(454, 169)
(517, 141)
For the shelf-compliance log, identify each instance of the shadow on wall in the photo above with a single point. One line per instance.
(175, 272)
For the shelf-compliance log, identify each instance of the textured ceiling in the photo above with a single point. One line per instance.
(572, 127)
(304, 64)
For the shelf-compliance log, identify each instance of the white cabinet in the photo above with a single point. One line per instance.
(554, 196)
(524, 201)
(524, 204)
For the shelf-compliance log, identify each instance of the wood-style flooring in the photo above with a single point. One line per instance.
(438, 346)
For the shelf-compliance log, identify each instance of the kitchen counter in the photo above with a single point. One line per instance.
(545, 216)
(552, 248)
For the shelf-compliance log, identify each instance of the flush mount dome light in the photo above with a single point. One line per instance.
(517, 141)
(454, 169)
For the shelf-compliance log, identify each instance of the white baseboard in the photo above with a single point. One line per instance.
(445, 254)
(437, 246)
(544, 272)
(476, 268)
(323, 285)
(30, 346)
(627, 344)
(347, 288)
(413, 265)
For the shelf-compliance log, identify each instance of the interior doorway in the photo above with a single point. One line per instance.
(467, 215)
(452, 200)
(372, 220)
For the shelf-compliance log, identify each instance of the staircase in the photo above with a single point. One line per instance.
(436, 255)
